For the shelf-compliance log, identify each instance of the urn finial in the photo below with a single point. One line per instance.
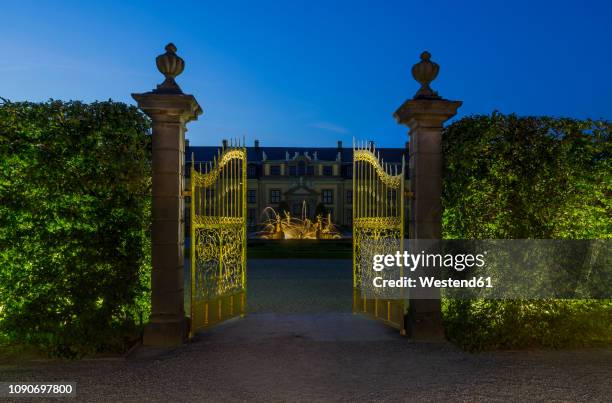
(425, 72)
(170, 65)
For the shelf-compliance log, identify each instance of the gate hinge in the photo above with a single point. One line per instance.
(186, 193)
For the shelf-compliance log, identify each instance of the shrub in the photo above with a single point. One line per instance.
(509, 177)
(74, 225)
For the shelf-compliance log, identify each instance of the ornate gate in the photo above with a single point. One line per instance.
(218, 238)
(378, 228)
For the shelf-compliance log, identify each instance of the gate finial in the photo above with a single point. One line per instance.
(425, 72)
(170, 65)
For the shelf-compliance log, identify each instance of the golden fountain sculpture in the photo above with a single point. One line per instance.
(288, 227)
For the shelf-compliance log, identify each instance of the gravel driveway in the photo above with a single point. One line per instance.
(323, 353)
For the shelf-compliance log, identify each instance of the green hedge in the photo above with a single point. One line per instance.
(510, 177)
(74, 225)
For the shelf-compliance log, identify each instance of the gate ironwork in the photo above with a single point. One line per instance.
(218, 238)
(378, 228)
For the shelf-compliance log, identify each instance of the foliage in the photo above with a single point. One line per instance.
(516, 178)
(495, 324)
(74, 225)
(509, 177)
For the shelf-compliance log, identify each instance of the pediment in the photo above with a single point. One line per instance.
(301, 191)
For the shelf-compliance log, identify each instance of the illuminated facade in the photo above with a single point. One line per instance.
(298, 176)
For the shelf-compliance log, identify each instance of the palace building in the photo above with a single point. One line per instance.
(299, 178)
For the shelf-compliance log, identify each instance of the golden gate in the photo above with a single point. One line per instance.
(218, 238)
(378, 228)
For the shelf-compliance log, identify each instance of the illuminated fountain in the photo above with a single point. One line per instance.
(288, 227)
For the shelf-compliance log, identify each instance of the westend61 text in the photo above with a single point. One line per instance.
(432, 282)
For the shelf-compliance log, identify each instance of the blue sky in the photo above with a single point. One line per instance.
(306, 73)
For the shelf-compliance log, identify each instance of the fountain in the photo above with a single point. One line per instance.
(288, 227)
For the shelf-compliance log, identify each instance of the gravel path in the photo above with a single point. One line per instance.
(299, 286)
(316, 354)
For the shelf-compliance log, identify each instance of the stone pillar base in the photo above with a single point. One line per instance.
(425, 325)
(167, 333)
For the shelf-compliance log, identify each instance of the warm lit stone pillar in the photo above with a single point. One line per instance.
(169, 110)
(425, 115)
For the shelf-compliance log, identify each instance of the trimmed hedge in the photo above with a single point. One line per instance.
(74, 225)
(510, 177)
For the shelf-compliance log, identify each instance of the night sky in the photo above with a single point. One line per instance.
(310, 73)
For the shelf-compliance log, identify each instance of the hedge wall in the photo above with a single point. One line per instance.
(74, 225)
(510, 177)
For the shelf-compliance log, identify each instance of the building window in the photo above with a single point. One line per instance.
(348, 216)
(349, 171)
(275, 170)
(310, 170)
(252, 171)
(328, 170)
(251, 196)
(301, 168)
(328, 196)
(275, 195)
(349, 196)
(292, 170)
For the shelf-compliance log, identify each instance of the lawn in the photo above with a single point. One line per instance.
(300, 249)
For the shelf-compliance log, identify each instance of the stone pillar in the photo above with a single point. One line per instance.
(169, 109)
(425, 115)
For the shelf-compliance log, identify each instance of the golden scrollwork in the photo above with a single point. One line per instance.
(370, 158)
(209, 178)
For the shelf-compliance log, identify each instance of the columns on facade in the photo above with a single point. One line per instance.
(425, 115)
(170, 110)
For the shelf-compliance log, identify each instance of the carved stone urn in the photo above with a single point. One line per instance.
(170, 65)
(425, 72)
